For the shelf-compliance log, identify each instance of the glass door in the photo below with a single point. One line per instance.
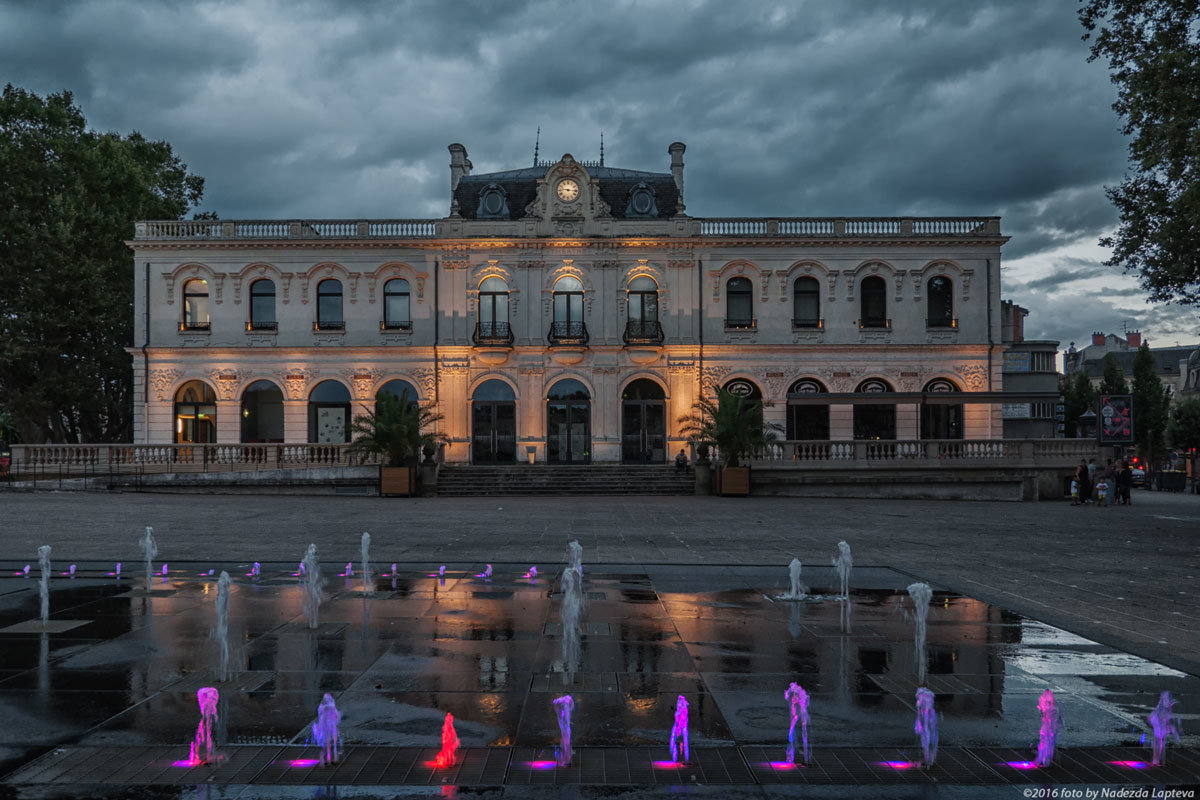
(568, 432)
(493, 432)
(643, 432)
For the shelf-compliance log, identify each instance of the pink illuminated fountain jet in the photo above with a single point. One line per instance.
(1051, 724)
(563, 707)
(448, 755)
(325, 731)
(679, 731)
(202, 751)
(926, 726)
(798, 704)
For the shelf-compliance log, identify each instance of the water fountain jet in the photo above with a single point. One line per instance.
(44, 583)
(921, 595)
(448, 755)
(368, 586)
(313, 584)
(572, 630)
(149, 551)
(798, 590)
(1051, 724)
(325, 731)
(679, 731)
(222, 632)
(1165, 725)
(926, 726)
(563, 707)
(797, 700)
(202, 749)
(844, 563)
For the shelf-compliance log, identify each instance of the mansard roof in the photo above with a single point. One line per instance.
(520, 187)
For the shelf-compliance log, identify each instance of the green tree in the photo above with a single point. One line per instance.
(397, 430)
(68, 200)
(1150, 403)
(1184, 430)
(1114, 377)
(1078, 397)
(734, 426)
(1153, 52)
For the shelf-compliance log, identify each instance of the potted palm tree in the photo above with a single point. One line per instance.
(736, 429)
(397, 432)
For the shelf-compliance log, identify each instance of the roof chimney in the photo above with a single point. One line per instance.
(1097, 339)
(1134, 339)
(459, 164)
(676, 150)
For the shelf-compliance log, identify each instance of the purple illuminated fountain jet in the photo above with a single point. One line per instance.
(1165, 725)
(325, 731)
(798, 705)
(563, 707)
(926, 726)
(679, 731)
(202, 750)
(1051, 724)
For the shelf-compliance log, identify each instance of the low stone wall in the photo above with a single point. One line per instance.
(897, 481)
(314, 480)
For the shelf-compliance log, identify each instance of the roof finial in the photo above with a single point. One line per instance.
(536, 144)
(602, 148)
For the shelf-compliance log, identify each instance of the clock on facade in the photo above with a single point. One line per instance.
(568, 190)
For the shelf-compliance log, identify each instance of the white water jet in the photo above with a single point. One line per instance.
(222, 632)
(149, 551)
(844, 563)
(313, 584)
(575, 557)
(572, 609)
(44, 583)
(921, 595)
(368, 586)
(798, 590)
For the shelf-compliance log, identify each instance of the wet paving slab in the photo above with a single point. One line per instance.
(87, 703)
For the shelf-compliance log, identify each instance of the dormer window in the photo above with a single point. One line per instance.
(493, 203)
(641, 202)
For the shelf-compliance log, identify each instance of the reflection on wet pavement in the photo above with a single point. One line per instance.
(488, 652)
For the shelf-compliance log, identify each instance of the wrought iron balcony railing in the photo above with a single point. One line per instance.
(941, 322)
(493, 334)
(329, 325)
(808, 324)
(738, 323)
(395, 325)
(567, 333)
(875, 322)
(259, 326)
(643, 331)
(195, 327)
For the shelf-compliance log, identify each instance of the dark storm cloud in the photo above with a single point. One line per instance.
(326, 109)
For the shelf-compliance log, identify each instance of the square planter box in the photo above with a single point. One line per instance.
(397, 481)
(733, 481)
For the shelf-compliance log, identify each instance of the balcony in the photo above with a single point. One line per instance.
(808, 324)
(195, 327)
(568, 341)
(493, 334)
(740, 324)
(329, 326)
(643, 331)
(395, 325)
(875, 323)
(253, 326)
(942, 323)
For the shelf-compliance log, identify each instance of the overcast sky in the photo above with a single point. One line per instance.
(344, 110)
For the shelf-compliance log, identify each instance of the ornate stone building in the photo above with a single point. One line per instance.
(568, 311)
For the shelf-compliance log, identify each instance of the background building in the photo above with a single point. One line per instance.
(1029, 366)
(1171, 363)
(570, 310)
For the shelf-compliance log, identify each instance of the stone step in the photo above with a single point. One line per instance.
(566, 479)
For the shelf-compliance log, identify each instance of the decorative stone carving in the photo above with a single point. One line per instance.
(567, 228)
(362, 382)
(966, 283)
(426, 380)
(711, 377)
(285, 281)
(163, 380)
(898, 278)
(352, 279)
(456, 366)
(764, 280)
(680, 367)
(974, 376)
(833, 279)
(295, 382)
(845, 379)
(219, 286)
(226, 383)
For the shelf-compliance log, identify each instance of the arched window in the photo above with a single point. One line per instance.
(739, 303)
(262, 306)
(874, 420)
(643, 423)
(568, 423)
(195, 414)
(329, 413)
(262, 413)
(396, 314)
(195, 306)
(400, 389)
(329, 305)
(940, 303)
(492, 327)
(493, 423)
(643, 325)
(941, 420)
(568, 326)
(807, 421)
(806, 303)
(873, 303)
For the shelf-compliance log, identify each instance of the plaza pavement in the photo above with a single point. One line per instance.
(1124, 576)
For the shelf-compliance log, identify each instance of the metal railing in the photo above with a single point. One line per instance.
(808, 324)
(395, 325)
(942, 322)
(875, 322)
(253, 326)
(328, 325)
(567, 334)
(643, 331)
(493, 334)
(739, 323)
(1039, 452)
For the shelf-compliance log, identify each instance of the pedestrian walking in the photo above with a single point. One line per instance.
(1124, 483)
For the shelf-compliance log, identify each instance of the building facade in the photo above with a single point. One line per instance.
(567, 312)
(1171, 363)
(1030, 365)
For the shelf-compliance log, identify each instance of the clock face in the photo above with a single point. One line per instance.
(568, 191)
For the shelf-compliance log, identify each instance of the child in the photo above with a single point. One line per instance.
(1074, 492)
(1102, 492)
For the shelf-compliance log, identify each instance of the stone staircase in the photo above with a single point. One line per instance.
(564, 479)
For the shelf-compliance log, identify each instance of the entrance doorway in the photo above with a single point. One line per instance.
(569, 423)
(493, 424)
(643, 423)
